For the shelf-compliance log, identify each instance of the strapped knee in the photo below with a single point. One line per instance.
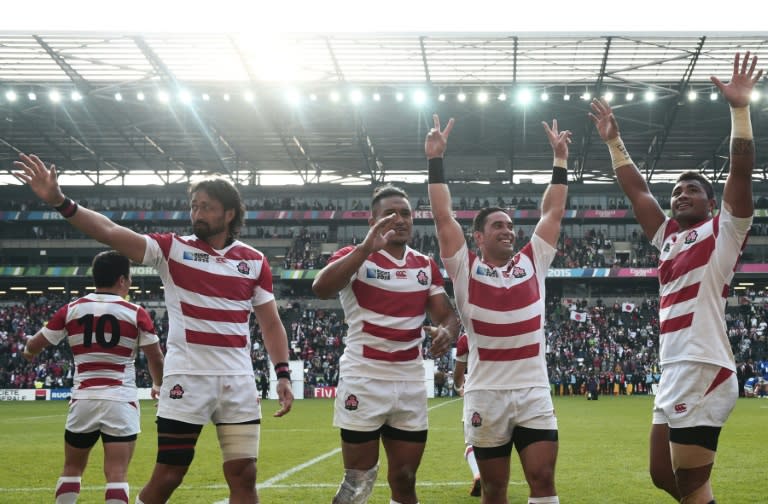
(356, 486)
(239, 441)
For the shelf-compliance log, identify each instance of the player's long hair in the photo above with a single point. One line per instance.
(222, 190)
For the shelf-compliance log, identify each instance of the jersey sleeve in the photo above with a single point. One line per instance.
(438, 284)
(158, 248)
(661, 234)
(458, 265)
(262, 293)
(543, 254)
(56, 329)
(146, 327)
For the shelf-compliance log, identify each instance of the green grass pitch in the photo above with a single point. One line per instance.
(602, 459)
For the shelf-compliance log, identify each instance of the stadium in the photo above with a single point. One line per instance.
(130, 119)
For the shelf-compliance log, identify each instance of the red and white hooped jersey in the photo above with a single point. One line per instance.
(209, 295)
(502, 309)
(104, 332)
(385, 304)
(696, 267)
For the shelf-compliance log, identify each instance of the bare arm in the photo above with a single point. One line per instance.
(647, 210)
(155, 360)
(441, 312)
(556, 194)
(276, 342)
(42, 181)
(458, 375)
(737, 194)
(335, 276)
(35, 345)
(450, 237)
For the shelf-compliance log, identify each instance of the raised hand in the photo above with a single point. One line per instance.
(739, 90)
(436, 141)
(41, 180)
(604, 120)
(378, 234)
(559, 140)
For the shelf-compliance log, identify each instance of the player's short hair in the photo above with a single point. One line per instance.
(386, 191)
(221, 189)
(108, 266)
(478, 223)
(693, 175)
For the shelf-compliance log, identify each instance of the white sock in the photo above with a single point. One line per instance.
(552, 499)
(138, 501)
(469, 455)
(116, 493)
(67, 489)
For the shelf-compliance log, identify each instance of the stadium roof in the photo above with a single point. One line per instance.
(302, 108)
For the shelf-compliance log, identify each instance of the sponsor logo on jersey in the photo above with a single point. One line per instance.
(476, 419)
(377, 274)
(243, 267)
(195, 256)
(220, 259)
(681, 408)
(401, 274)
(177, 392)
(351, 402)
(691, 237)
(421, 276)
(485, 271)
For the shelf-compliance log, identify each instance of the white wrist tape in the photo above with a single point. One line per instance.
(619, 154)
(741, 123)
(560, 163)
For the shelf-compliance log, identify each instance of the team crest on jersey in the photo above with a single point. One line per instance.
(351, 402)
(681, 408)
(195, 256)
(691, 237)
(243, 267)
(401, 274)
(518, 272)
(476, 419)
(377, 274)
(177, 392)
(421, 276)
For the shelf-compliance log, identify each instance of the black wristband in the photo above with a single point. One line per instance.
(436, 175)
(282, 370)
(67, 209)
(559, 176)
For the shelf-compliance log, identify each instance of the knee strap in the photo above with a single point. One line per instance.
(356, 486)
(239, 441)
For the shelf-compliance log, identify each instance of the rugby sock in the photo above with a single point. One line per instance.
(116, 493)
(67, 489)
(469, 455)
(552, 499)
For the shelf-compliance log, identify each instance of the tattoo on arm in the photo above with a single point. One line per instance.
(742, 147)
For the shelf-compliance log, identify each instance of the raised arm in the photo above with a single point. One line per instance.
(42, 181)
(276, 343)
(737, 194)
(336, 275)
(450, 237)
(35, 345)
(647, 210)
(556, 193)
